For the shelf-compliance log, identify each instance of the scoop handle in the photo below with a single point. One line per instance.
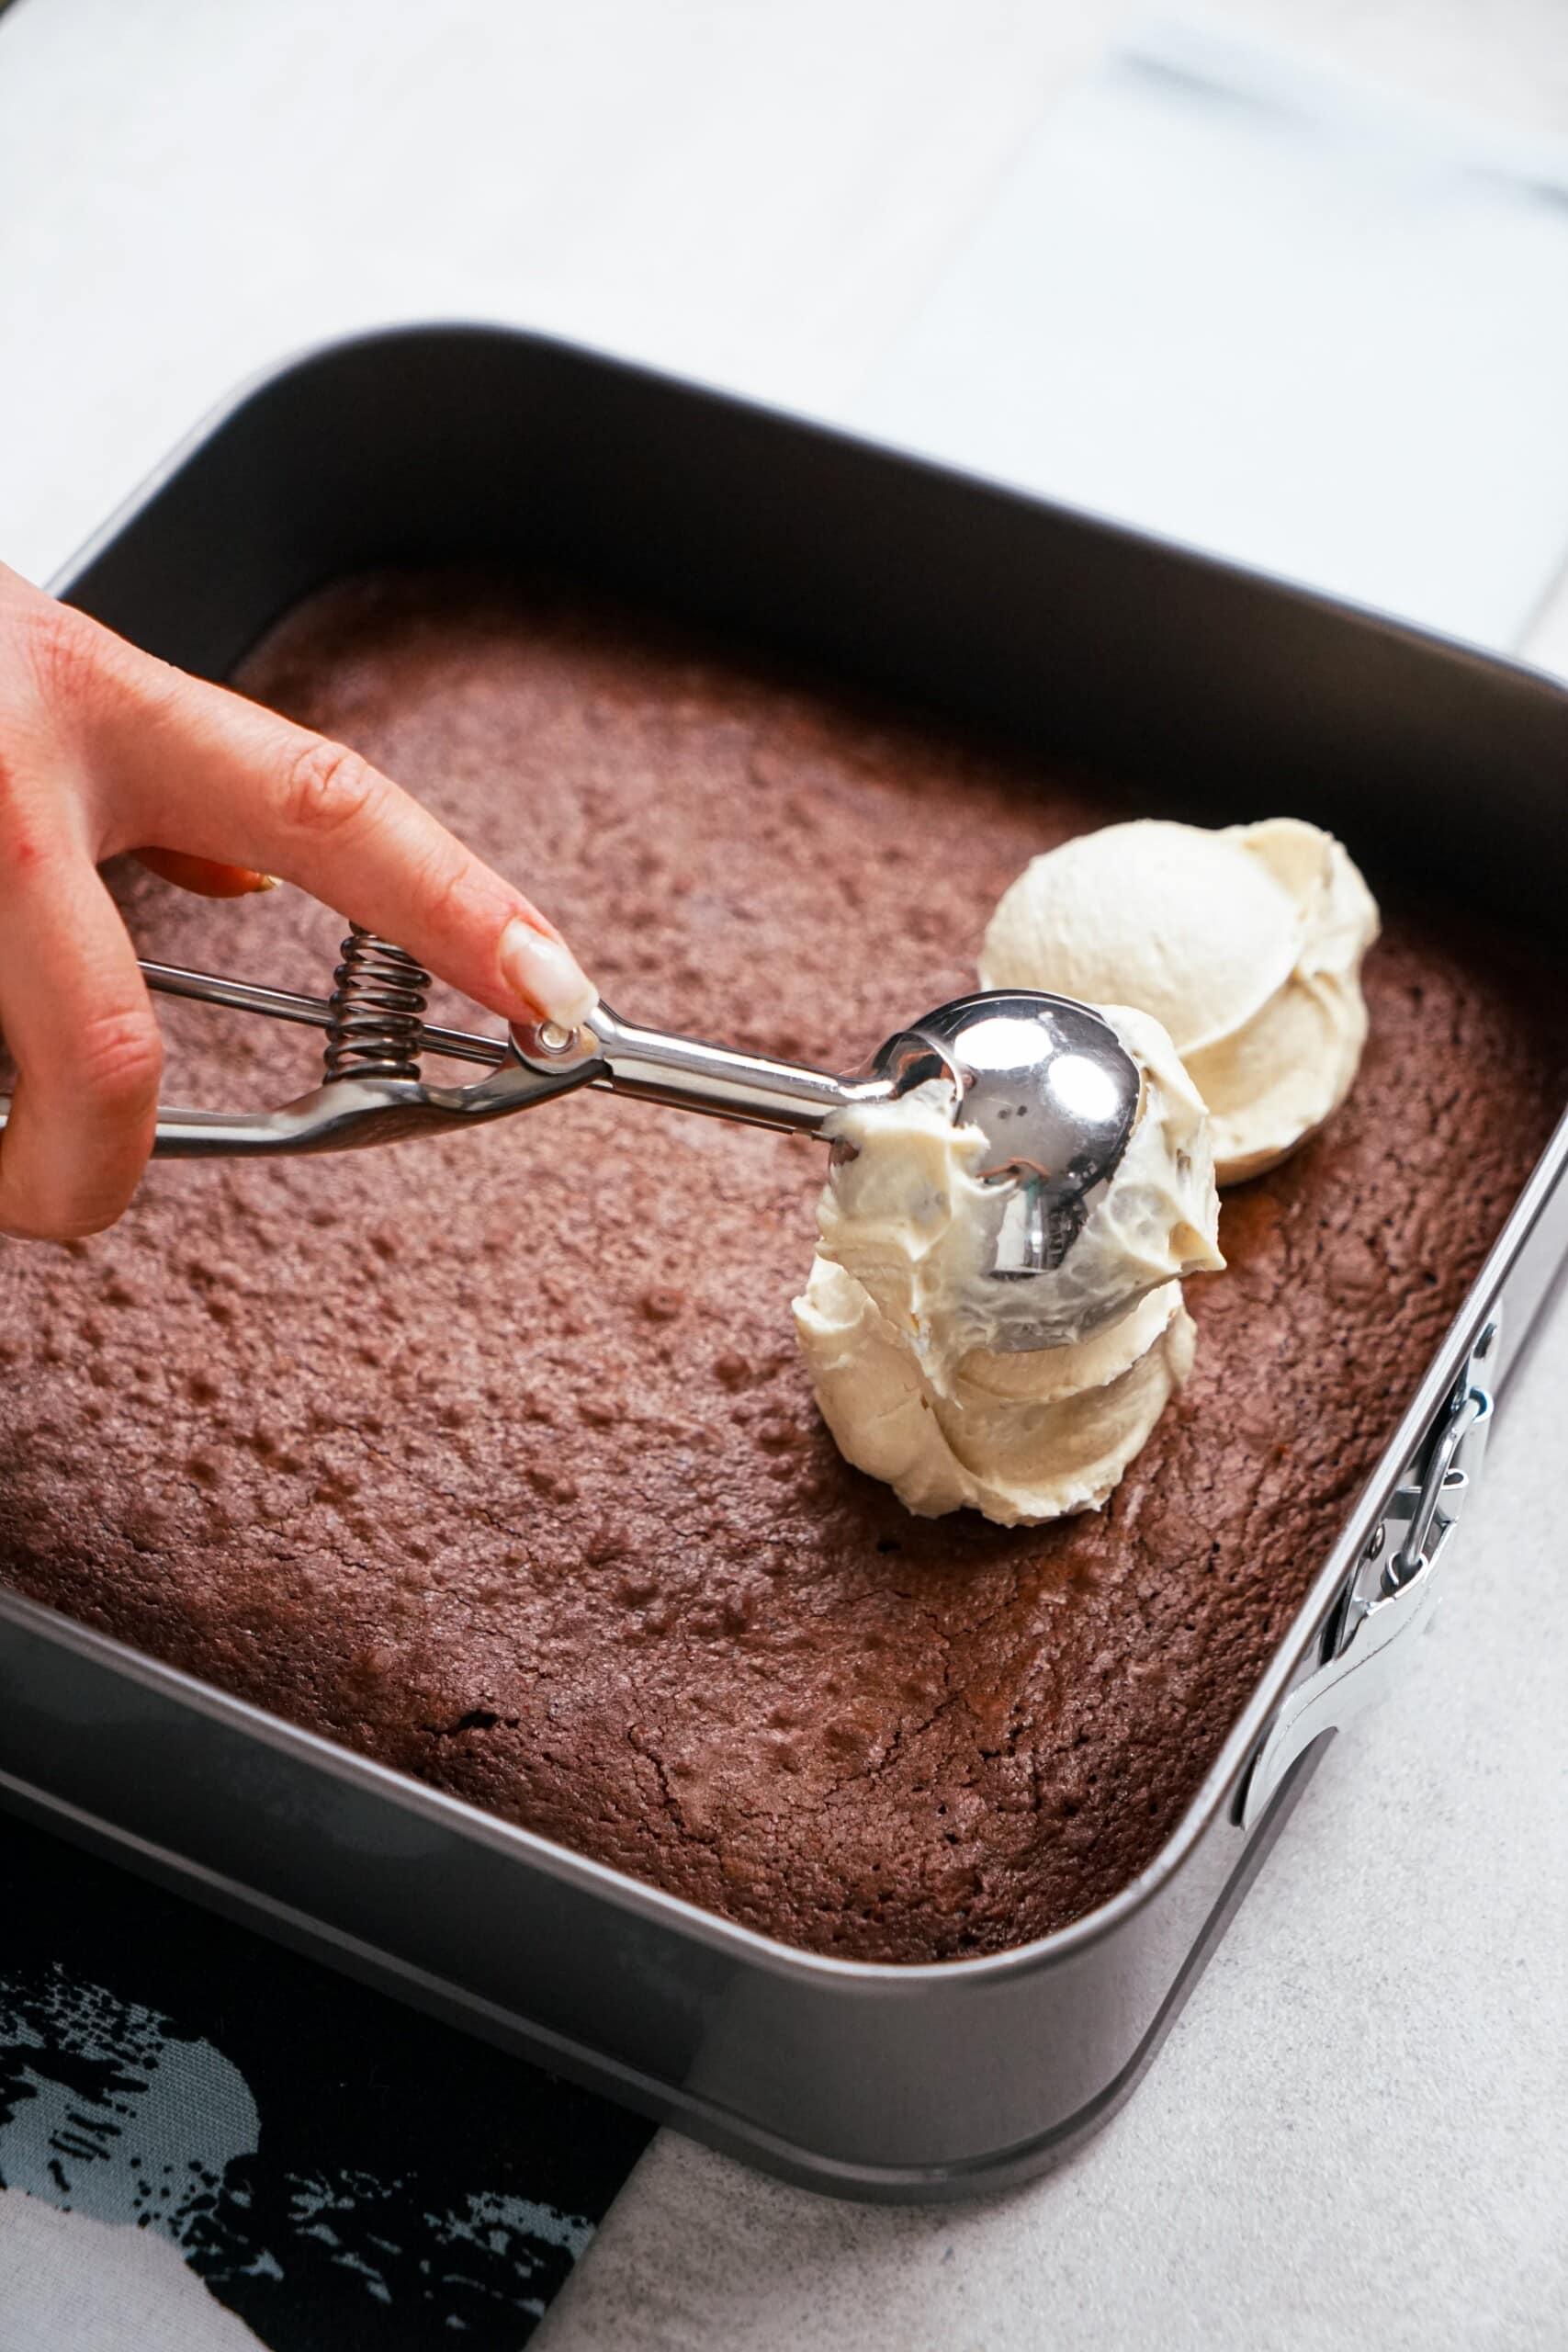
(688, 1075)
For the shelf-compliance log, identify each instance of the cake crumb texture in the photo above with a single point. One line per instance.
(494, 1457)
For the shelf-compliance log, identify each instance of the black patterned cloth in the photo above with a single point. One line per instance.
(207, 2141)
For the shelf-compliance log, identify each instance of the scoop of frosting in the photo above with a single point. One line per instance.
(1021, 1438)
(1246, 943)
(907, 1214)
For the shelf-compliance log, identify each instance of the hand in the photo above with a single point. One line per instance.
(105, 749)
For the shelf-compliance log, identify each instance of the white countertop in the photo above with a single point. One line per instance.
(1356, 2133)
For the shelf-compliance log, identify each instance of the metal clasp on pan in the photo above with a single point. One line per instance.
(1393, 1589)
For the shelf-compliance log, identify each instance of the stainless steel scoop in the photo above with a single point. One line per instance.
(1045, 1080)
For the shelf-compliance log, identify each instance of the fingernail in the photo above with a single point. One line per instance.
(269, 882)
(546, 974)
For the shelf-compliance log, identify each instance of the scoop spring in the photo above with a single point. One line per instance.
(376, 1008)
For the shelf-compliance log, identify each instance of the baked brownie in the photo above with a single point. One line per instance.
(492, 1456)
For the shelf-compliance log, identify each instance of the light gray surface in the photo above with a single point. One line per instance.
(1356, 2134)
(1273, 313)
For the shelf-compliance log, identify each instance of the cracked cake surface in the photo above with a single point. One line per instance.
(494, 1457)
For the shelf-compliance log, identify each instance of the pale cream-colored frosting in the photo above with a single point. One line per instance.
(1246, 943)
(905, 1330)
(1021, 1438)
(909, 1218)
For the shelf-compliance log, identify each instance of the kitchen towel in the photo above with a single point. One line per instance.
(208, 2142)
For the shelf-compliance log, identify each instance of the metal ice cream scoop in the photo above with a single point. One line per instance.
(1045, 1079)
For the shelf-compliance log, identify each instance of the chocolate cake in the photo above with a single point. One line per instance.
(492, 1456)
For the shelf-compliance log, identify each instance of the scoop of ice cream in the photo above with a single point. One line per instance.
(913, 1342)
(907, 1214)
(1021, 1438)
(1247, 945)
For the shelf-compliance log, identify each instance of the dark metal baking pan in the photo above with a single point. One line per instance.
(436, 443)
